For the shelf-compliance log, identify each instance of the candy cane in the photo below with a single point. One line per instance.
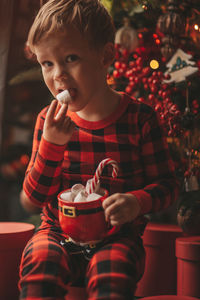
(93, 183)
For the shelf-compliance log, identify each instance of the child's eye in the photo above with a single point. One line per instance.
(71, 58)
(46, 64)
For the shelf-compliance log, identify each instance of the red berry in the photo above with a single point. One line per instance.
(134, 70)
(128, 89)
(139, 69)
(146, 70)
(158, 107)
(165, 94)
(160, 74)
(116, 74)
(151, 97)
(144, 79)
(127, 74)
(121, 71)
(136, 79)
(125, 53)
(167, 100)
(195, 104)
(132, 84)
(117, 65)
(124, 66)
(154, 74)
(131, 78)
(139, 61)
(141, 99)
(167, 76)
(164, 86)
(154, 89)
(131, 64)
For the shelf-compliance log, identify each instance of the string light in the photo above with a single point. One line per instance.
(144, 7)
(140, 35)
(156, 38)
(154, 64)
(196, 27)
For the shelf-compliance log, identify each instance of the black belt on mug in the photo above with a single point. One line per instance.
(71, 211)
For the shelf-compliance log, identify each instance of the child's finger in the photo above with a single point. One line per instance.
(113, 209)
(61, 112)
(51, 111)
(108, 201)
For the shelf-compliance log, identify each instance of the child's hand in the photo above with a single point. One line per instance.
(58, 127)
(121, 208)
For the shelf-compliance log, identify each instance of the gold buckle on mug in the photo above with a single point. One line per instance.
(69, 211)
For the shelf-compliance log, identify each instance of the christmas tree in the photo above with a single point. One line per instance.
(157, 62)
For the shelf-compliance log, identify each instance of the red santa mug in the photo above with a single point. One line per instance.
(84, 222)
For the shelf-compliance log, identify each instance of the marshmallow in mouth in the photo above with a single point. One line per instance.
(64, 96)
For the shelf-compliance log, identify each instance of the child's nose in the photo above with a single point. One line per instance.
(60, 73)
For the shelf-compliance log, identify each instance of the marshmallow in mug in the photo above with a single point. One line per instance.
(83, 197)
(64, 96)
(78, 194)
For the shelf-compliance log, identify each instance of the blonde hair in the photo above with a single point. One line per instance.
(88, 16)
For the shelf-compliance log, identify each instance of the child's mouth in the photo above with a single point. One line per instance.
(71, 93)
(64, 96)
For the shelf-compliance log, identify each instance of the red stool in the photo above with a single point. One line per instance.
(169, 297)
(188, 266)
(13, 238)
(160, 271)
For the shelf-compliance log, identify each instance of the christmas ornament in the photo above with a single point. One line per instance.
(172, 26)
(180, 67)
(127, 36)
(171, 23)
(187, 120)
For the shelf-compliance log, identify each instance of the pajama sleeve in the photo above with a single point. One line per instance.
(161, 185)
(42, 178)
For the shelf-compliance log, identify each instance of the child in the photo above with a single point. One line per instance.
(73, 41)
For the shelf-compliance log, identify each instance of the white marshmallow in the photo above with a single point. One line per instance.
(80, 197)
(76, 188)
(64, 96)
(93, 196)
(67, 196)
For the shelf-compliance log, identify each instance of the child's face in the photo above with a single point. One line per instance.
(68, 62)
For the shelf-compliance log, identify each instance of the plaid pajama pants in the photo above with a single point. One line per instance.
(112, 273)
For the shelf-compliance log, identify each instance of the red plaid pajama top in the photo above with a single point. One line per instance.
(131, 135)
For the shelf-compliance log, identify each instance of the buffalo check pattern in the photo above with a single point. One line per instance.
(134, 138)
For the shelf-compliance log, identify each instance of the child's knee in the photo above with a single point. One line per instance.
(43, 253)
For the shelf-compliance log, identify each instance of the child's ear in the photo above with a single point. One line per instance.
(108, 54)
